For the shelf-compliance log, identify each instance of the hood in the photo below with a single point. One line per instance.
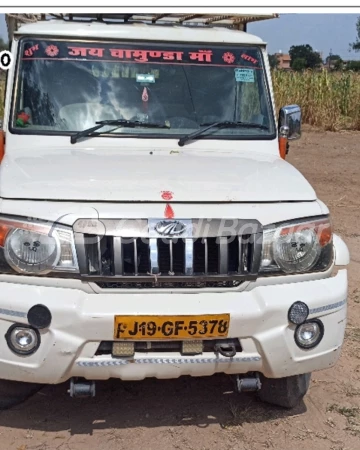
(137, 175)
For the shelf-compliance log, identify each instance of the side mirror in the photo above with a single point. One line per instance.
(290, 122)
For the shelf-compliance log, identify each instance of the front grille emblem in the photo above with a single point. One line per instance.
(170, 227)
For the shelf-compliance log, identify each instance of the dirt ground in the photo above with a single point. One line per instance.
(205, 413)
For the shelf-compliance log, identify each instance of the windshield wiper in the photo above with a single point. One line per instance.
(117, 123)
(224, 124)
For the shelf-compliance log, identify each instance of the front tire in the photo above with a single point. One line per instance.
(14, 392)
(285, 392)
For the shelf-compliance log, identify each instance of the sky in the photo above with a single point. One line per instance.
(322, 31)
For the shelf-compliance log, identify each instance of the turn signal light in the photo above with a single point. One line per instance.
(322, 228)
(283, 142)
(4, 230)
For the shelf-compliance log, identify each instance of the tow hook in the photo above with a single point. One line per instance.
(227, 349)
(81, 389)
(248, 384)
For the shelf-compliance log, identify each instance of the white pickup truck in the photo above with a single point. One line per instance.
(149, 223)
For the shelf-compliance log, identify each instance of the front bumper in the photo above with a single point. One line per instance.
(258, 318)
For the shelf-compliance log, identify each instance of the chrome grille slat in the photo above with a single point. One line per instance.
(206, 256)
(256, 243)
(189, 256)
(117, 258)
(244, 255)
(171, 260)
(135, 257)
(99, 254)
(92, 254)
(241, 257)
(171, 257)
(79, 239)
(223, 251)
(154, 263)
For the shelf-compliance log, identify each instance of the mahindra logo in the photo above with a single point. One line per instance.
(170, 227)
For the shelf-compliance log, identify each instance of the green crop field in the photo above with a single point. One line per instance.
(328, 100)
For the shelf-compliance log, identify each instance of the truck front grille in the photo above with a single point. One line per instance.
(112, 259)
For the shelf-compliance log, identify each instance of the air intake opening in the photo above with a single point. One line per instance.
(213, 255)
(199, 256)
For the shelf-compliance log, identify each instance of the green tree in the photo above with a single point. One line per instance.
(333, 59)
(334, 62)
(353, 65)
(298, 64)
(339, 64)
(273, 61)
(356, 45)
(304, 52)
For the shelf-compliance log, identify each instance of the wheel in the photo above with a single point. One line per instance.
(286, 392)
(14, 392)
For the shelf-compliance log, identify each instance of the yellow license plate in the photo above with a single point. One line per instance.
(171, 327)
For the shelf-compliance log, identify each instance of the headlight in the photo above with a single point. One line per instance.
(297, 247)
(28, 251)
(31, 247)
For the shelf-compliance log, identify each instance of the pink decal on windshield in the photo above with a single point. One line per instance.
(145, 95)
(249, 58)
(30, 51)
(201, 55)
(52, 50)
(228, 57)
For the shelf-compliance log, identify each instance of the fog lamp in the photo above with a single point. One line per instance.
(298, 313)
(23, 340)
(309, 334)
(192, 347)
(123, 348)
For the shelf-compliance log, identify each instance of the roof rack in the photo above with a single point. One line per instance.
(227, 20)
(235, 21)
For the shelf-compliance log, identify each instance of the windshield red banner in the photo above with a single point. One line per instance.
(234, 56)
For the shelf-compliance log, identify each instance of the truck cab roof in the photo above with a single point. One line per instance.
(138, 31)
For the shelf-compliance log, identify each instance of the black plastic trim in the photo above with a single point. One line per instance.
(39, 316)
(297, 303)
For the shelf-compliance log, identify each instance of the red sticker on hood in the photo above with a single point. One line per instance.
(169, 212)
(167, 195)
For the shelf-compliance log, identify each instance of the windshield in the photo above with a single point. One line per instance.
(65, 87)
